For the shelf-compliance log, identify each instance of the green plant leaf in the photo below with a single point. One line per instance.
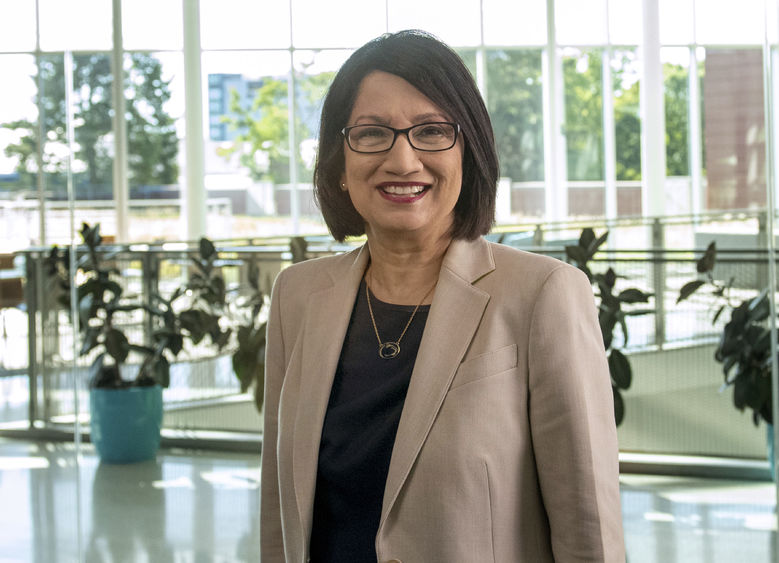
(619, 406)
(633, 295)
(576, 253)
(586, 238)
(727, 364)
(759, 308)
(160, 371)
(610, 278)
(688, 289)
(207, 249)
(116, 345)
(91, 336)
(595, 245)
(620, 370)
(253, 277)
(708, 260)
(717, 315)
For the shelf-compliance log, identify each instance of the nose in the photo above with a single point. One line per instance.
(402, 158)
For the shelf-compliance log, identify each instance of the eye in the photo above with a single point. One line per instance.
(369, 134)
(433, 132)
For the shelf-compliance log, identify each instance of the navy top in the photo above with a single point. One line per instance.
(359, 430)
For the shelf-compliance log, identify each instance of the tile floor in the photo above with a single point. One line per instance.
(202, 506)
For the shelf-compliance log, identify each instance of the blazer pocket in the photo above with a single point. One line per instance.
(485, 365)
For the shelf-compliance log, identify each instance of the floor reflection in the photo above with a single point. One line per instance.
(185, 506)
(191, 506)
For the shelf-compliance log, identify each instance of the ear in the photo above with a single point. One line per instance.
(342, 182)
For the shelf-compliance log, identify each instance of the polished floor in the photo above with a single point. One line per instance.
(201, 506)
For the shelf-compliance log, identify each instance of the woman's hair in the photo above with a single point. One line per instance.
(439, 73)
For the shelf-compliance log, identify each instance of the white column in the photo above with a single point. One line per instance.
(555, 166)
(120, 176)
(652, 115)
(193, 195)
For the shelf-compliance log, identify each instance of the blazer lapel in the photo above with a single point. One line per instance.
(454, 317)
(327, 317)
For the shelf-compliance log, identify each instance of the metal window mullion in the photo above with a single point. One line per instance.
(609, 138)
(695, 136)
(294, 206)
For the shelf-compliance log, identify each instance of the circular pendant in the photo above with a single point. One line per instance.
(389, 350)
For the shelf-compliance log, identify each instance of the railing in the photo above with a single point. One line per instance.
(676, 379)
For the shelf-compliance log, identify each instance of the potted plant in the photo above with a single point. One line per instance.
(744, 348)
(125, 412)
(610, 312)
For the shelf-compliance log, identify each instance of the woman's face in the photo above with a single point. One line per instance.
(403, 191)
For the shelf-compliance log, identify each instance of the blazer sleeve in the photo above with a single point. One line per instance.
(572, 421)
(271, 539)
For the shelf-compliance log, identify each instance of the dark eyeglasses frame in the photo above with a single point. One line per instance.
(396, 132)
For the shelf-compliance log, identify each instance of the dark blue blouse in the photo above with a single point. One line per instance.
(359, 430)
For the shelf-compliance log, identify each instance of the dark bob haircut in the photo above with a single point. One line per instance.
(439, 73)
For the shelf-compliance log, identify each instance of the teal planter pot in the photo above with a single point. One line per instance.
(125, 423)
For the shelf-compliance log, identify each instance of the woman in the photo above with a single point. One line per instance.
(430, 396)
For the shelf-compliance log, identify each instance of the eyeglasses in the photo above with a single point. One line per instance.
(430, 137)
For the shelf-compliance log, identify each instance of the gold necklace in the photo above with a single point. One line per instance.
(390, 349)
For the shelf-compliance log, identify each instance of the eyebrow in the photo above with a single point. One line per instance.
(423, 118)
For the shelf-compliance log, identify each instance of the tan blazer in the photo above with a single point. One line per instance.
(506, 449)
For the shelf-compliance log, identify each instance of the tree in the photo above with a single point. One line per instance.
(152, 141)
(627, 123)
(262, 125)
(584, 115)
(676, 126)
(515, 103)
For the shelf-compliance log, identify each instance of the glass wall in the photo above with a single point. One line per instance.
(568, 100)
(265, 67)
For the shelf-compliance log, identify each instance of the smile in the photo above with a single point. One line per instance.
(403, 190)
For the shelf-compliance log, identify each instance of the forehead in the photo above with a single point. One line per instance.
(387, 98)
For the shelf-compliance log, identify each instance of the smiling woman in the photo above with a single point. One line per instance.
(430, 396)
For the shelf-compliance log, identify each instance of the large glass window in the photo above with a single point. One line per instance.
(514, 23)
(360, 21)
(582, 75)
(515, 103)
(17, 27)
(314, 70)
(76, 25)
(18, 159)
(261, 25)
(154, 111)
(247, 150)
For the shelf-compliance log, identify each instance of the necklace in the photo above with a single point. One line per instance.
(390, 349)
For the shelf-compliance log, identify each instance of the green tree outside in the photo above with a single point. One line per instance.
(152, 139)
(262, 126)
(515, 103)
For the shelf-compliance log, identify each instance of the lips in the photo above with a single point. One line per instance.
(403, 190)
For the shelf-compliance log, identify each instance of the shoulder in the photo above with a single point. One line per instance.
(531, 267)
(315, 274)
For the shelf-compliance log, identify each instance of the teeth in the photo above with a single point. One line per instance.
(403, 190)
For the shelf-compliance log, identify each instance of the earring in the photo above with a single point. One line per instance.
(343, 186)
